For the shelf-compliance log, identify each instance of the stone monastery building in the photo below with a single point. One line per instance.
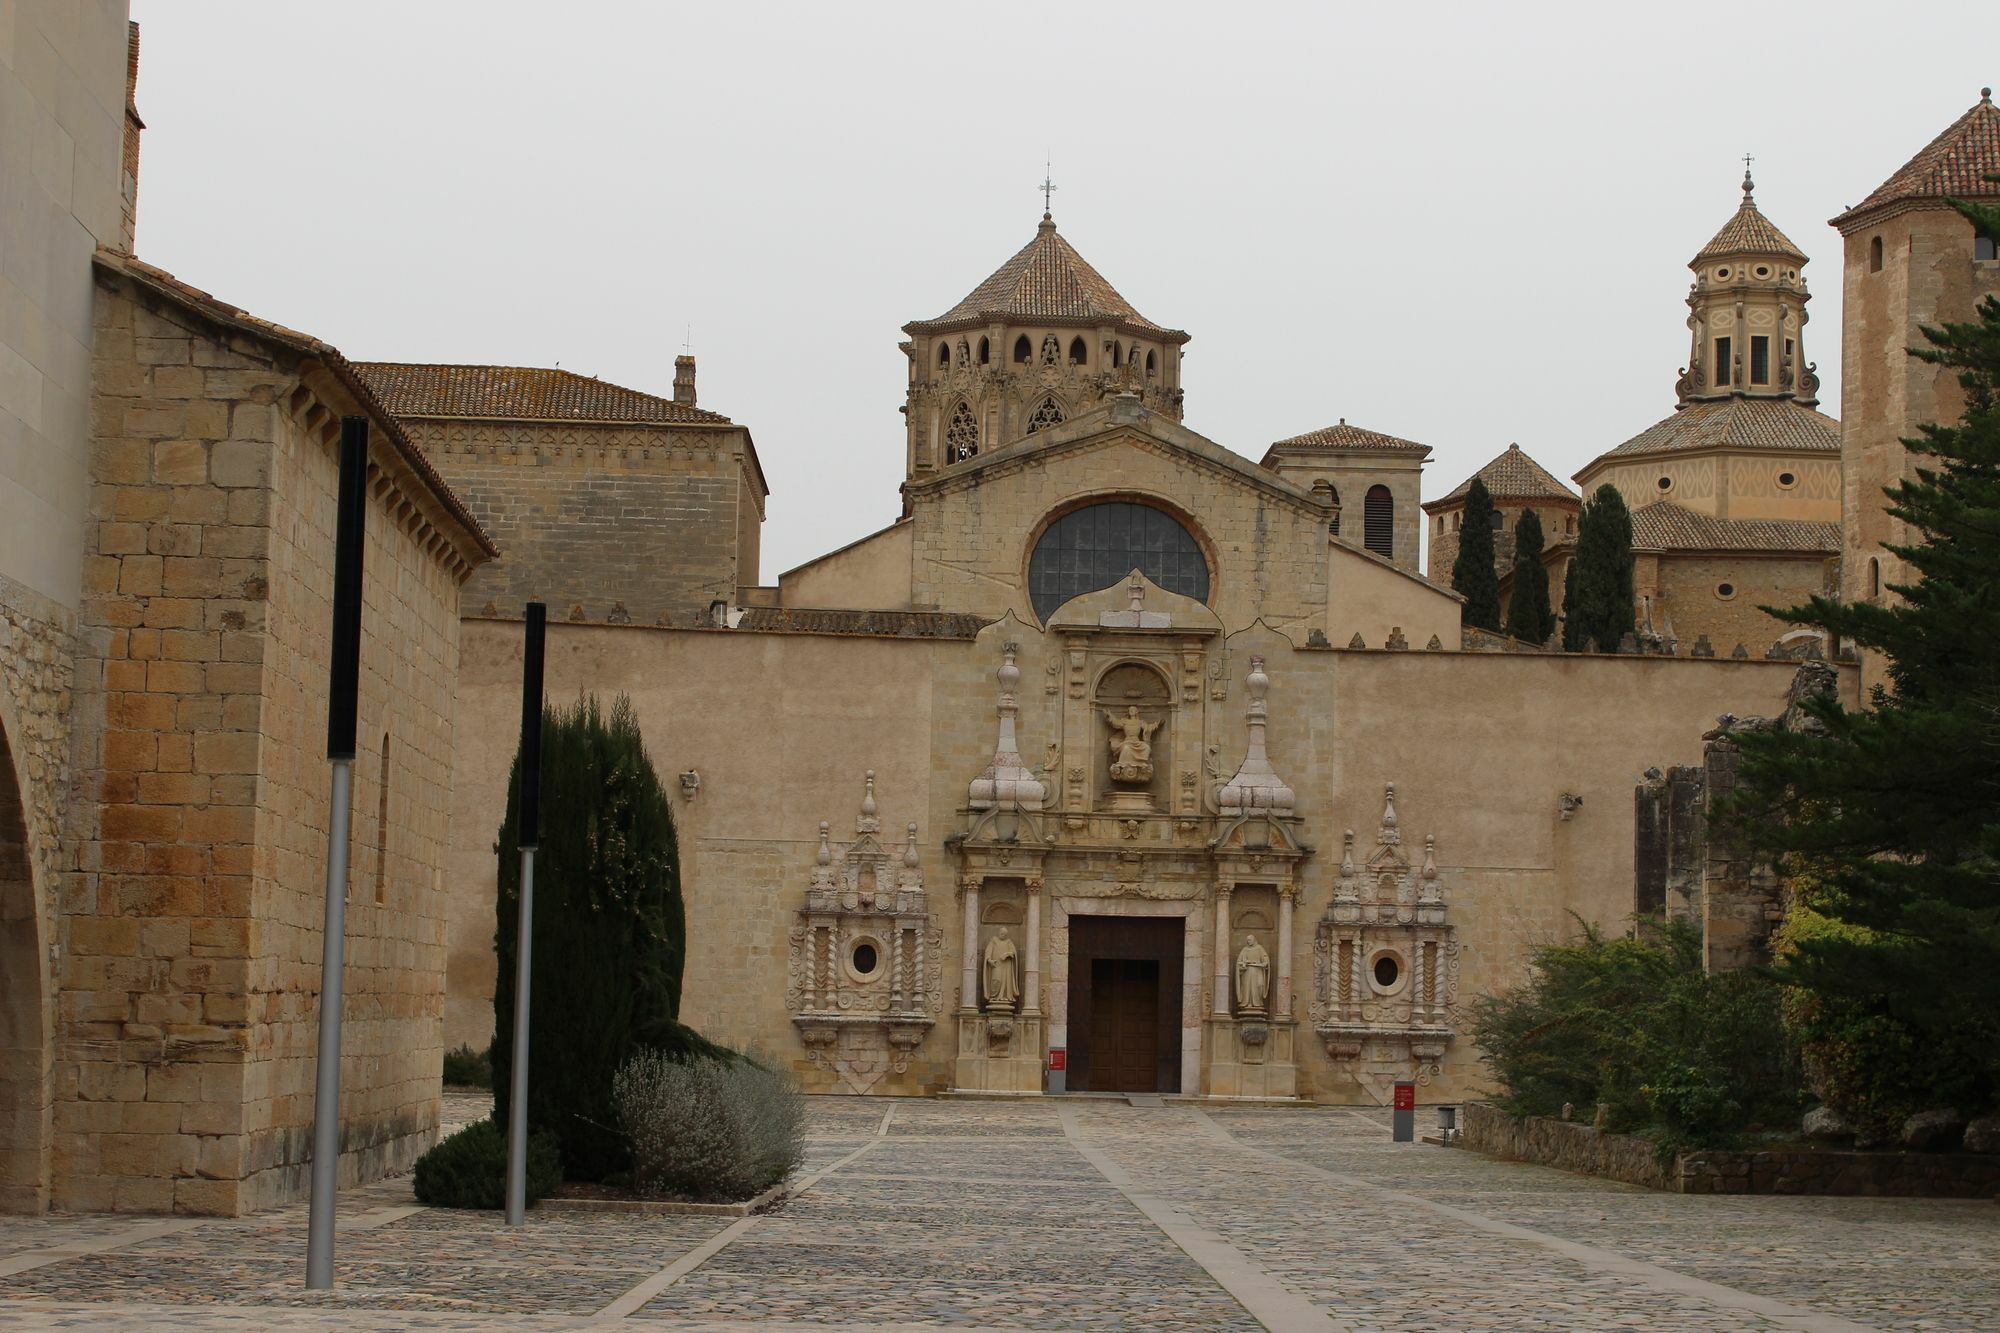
(1116, 762)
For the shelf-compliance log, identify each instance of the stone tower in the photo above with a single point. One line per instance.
(1041, 340)
(1911, 260)
(1747, 314)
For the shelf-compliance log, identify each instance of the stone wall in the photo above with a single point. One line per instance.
(662, 520)
(1564, 1145)
(192, 918)
(1686, 592)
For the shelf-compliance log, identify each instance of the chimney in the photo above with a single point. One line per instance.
(128, 182)
(684, 380)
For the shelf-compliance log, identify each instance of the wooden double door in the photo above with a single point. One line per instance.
(1125, 1003)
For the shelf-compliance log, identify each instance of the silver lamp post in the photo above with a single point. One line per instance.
(530, 838)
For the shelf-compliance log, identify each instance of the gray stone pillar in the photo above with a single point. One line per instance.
(968, 986)
(1222, 892)
(1286, 895)
(1031, 983)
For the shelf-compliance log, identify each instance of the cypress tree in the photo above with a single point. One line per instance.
(1597, 603)
(1472, 573)
(609, 934)
(1889, 816)
(1529, 617)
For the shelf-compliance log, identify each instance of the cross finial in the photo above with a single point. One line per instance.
(1746, 175)
(1048, 186)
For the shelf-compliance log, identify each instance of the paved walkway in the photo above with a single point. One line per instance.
(1061, 1214)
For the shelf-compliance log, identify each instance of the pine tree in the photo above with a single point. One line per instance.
(1529, 617)
(1472, 573)
(1597, 603)
(1890, 815)
(609, 936)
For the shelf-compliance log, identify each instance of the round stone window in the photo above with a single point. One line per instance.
(1722, 273)
(1385, 973)
(1763, 272)
(1787, 480)
(1665, 483)
(1098, 545)
(864, 960)
(1725, 590)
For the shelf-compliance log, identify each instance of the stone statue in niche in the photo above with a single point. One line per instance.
(1001, 981)
(1131, 746)
(1253, 977)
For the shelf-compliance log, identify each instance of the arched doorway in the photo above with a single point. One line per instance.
(23, 1048)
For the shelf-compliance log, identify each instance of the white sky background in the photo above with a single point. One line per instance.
(1462, 224)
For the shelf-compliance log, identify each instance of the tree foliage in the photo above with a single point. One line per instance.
(1891, 813)
(609, 936)
(1637, 1024)
(1597, 602)
(1472, 572)
(1529, 615)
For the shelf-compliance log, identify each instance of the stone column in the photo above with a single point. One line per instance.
(968, 986)
(1222, 987)
(1286, 895)
(1031, 981)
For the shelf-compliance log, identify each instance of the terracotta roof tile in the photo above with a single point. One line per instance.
(1741, 423)
(1047, 281)
(1748, 232)
(1953, 165)
(1344, 436)
(880, 624)
(520, 393)
(1512, 476)
(1665, 526)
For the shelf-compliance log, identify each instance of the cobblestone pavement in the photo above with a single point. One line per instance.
(1064, 1214)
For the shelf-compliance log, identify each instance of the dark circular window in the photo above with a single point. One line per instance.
(1096, 546)
(1725, 590)
(1665, 483)
(864, 959)
(1386, 971)
(1787, 480)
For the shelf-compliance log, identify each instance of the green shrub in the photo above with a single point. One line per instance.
(1636, 1024)
(609, 933)
(469, 1169)
(704, 1128)
(467, 1068)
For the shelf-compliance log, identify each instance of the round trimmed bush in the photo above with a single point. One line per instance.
(469, 1169)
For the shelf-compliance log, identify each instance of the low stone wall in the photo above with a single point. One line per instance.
(1906, 1175)
(1560, 1143)
(1574, 1147)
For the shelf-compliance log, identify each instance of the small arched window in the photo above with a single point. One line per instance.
(1378, 522)
(1499, 521)
(1151, 364)
(1117, 356)
(1875, 255)
(944, 356)
(1874, 576)
(985, 352)
(1024, 350)
(1078, 353)
(382, 827)
(1050, 413)
(961, 435)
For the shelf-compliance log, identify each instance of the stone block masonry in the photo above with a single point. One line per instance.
(192, 909)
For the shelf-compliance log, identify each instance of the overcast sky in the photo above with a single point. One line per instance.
(1463, 224)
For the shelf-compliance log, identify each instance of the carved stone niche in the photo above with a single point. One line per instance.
(866, 956)
(1385, 961)
(1134, 718)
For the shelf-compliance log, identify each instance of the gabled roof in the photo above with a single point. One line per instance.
(1734, 423)
(1748, 232)
(1047, 282)
(1665, 526)
(220, 312)
(1511, 476)
(1343, 436)
(1953, 165)
(520, 393)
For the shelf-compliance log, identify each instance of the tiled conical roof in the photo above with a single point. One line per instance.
(1735, 423)
(1749, 232)
(1047, 282)
(1512, 476)
(1344, 436)
(1953, 165)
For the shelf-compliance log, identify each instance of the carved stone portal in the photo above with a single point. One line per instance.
(866, 957)
(1385, 962)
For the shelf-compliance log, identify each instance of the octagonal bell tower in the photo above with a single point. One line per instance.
(1041, 340)
(1748, 314)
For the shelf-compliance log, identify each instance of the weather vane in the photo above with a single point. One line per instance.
(1048, 186)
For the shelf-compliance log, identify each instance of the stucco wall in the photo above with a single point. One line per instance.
(872, 573)
(1445, 727)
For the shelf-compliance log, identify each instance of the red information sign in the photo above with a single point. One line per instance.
(1406, 1097)
(1058, 1058)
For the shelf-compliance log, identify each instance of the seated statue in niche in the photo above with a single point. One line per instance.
(1131, 746)
(1253, 977)
(1001, 977)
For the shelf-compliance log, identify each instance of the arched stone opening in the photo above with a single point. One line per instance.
(23, 1041)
